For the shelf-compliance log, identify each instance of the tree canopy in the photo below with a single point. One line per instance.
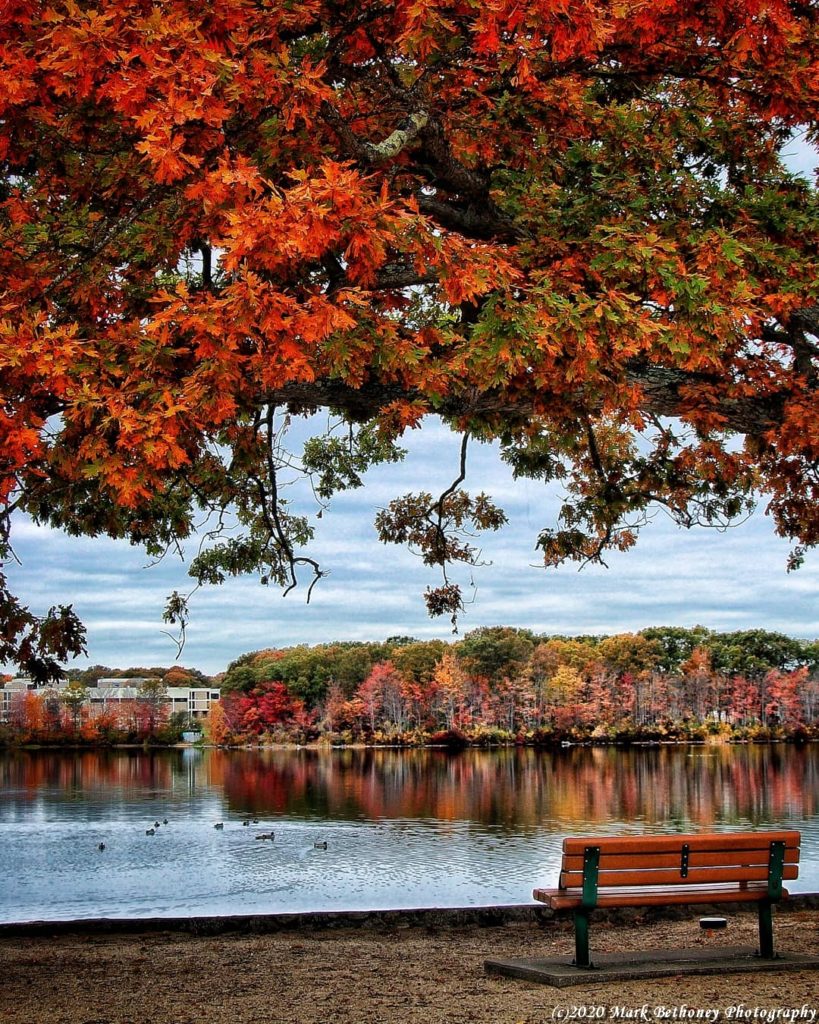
(563, 225)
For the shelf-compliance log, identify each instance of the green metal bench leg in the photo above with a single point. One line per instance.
(581, 939)
(766, 944)
(776, 866)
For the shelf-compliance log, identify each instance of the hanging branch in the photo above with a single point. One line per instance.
(177, 612)
(435, 528)
(440, 536)
(273, 518)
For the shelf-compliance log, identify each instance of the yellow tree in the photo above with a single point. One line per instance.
(564, 697)
(216, 726)
(449, 684)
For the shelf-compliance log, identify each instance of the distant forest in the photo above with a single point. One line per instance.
(501, 684)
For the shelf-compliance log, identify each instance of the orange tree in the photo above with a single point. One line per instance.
(563, 225)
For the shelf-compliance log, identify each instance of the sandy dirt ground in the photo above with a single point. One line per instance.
(411, 975)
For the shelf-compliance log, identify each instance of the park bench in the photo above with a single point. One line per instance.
(662, 870)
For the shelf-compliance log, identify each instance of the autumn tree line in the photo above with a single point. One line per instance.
(501, 685)
(497, 685)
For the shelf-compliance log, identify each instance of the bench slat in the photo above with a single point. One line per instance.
(696, 859)
(725, 841)
(695, 876)
(562, 899)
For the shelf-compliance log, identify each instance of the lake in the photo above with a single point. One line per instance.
(402, 828)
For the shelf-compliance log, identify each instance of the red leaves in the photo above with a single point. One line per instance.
(21, 447)
(169, 161)
(334, 210)
(267, 706)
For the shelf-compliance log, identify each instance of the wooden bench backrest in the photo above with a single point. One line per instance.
(699, 859)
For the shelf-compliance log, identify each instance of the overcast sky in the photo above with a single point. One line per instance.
(726, 581)
(731, 580)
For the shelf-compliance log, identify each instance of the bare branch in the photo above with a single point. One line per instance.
(457, 481)
(272, 517)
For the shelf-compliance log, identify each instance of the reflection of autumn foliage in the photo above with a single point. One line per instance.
(510, 788)
(526, 787)
(86, 771)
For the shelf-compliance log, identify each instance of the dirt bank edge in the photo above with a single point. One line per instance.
(426, 917)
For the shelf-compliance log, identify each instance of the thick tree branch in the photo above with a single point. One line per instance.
(807, 319)
(667, 392)
(399, 139)
(483, 222)
(375, 152)
(450, 171)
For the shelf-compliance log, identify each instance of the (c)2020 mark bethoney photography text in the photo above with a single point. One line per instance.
(683, 1012)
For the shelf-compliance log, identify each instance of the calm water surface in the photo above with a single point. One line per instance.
(403, 828)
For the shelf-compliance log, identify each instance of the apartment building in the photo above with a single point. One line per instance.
(108, 694)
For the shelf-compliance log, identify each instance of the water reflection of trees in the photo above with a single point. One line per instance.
(694, 786)
(85, 772)
(699, 786)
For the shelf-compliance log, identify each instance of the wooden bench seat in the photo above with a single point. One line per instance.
(657, 870)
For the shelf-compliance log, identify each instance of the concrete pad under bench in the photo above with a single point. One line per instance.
(649, 963)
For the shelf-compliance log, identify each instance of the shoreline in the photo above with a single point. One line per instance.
(412, 917)
(318, 745)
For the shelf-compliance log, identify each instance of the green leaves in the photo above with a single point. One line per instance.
(437, 529)
(37, 644)
(338, 463)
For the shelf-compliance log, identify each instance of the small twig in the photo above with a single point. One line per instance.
(458, 480)
(95, 250)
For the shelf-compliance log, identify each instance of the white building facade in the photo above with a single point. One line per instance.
(113, 694)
